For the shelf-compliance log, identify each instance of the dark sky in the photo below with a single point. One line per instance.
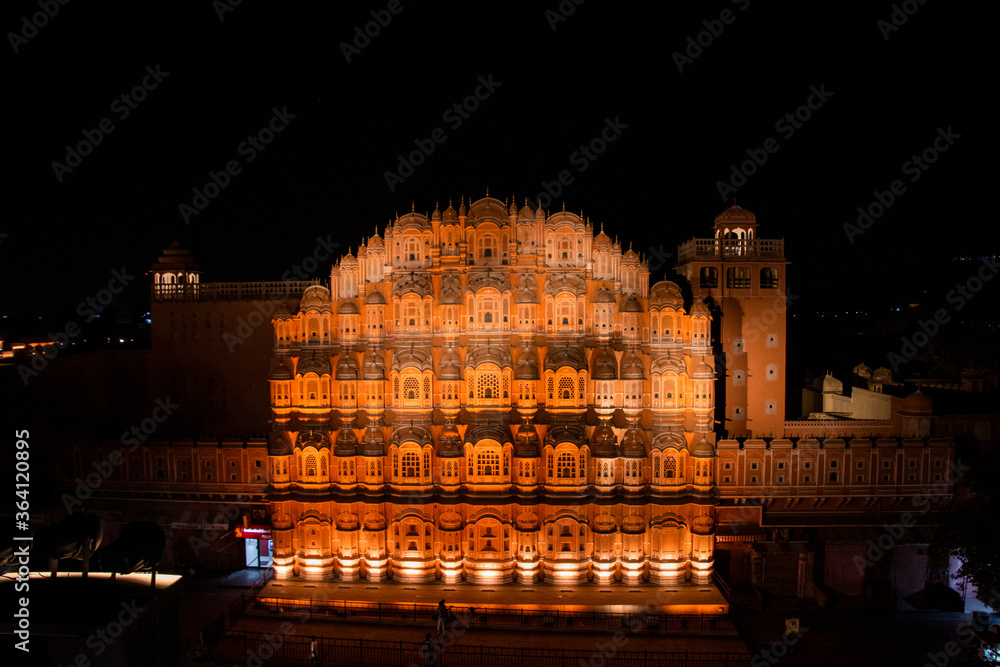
(656, 184)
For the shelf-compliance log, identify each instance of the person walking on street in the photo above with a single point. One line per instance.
(429, 651)
(313, 653)
(442, 615)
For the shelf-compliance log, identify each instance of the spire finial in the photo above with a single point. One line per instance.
(413, 207)
(487, 191)
(564, 207)
(602, 226)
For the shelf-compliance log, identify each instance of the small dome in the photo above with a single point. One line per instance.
(450, 365)
(348, 308)
(632, 445)
(631, 305)
(175, 258)
(605, 523)
(411, 433)
(603, 295)
(539, 213)
(525, 296)
(527, 365)
(513, 208)
(605, 443)
(280, 372)
(632, 368)
(602, 240)
(347, 367)
(633, 524)
(605, 366)
(374, 366)
(317, 439)
(449, 213)
(449, 443)
(703, 449)
(375, 298)
(918, 401)
(574, 357)
(373, 442)
(315, 297)
(347, 443)
(526, 213)
(703, 372)
(572, 433)
(526, 444)
(488, 431)
(736, 214)
(666, 294)
(314, 363)
(832, 385)
(278, 444)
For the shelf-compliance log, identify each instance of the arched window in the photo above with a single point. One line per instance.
(410, 388)
(708, 276)
(670, 467)
(310, 465)
(737, 276)
(768, 277)
(487, 463)
(487, 386)
(411, 464)
(566, 466)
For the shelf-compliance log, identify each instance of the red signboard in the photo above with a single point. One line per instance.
(254, 532)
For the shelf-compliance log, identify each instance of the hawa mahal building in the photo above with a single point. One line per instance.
(494, 394)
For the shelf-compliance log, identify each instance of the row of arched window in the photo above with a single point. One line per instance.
(490, 465)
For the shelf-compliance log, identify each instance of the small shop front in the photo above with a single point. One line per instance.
(257, 545)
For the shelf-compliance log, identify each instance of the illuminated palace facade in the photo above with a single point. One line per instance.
(493, 394)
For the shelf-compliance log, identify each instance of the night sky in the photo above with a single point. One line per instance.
(680, 115)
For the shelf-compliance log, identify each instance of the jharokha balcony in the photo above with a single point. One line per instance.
(731, 248)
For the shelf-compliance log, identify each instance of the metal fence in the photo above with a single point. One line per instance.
(294, 649)
(486, 617)
(217, 628)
